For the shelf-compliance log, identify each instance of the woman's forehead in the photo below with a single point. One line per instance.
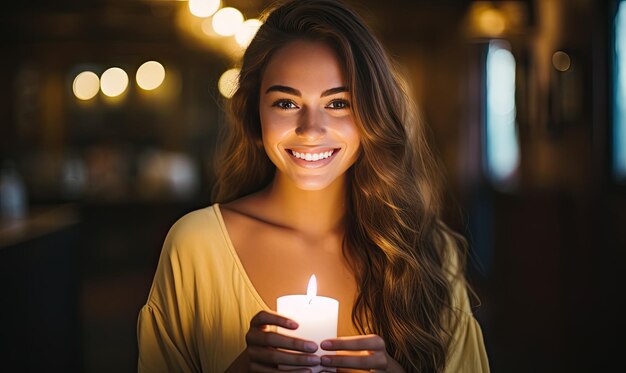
(306, 63)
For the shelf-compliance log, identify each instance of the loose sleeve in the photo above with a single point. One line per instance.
(159, 347)
(466, 351)
(200, 302)
(165, 331)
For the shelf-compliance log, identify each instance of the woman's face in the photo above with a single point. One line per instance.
(307, 124)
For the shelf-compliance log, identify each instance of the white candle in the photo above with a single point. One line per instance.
(316, 317)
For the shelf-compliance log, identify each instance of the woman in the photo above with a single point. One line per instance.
(325, 171)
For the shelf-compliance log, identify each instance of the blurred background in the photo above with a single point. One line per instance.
(109, 111)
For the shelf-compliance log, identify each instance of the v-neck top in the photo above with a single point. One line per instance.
(202, 300)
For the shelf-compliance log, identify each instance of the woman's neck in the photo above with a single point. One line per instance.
(312, 213)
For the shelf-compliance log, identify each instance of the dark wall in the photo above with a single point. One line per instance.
(545, 256)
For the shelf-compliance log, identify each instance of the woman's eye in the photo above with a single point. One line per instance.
(285, 104)
(338, 104)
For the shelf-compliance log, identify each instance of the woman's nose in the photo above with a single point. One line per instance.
(312, 125)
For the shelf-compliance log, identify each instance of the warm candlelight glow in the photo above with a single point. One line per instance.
(311, 290)
(316, 316)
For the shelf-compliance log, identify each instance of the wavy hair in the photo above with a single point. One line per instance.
(395, 243)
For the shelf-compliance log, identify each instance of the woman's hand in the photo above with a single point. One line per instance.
(266, 349)
(361, 353)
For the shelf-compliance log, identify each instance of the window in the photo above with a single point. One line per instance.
(502, 154)
(619, 97)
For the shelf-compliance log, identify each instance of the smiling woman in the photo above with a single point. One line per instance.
(325, 171)
(308, 129)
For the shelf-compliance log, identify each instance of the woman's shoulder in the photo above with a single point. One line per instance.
(196, 229)
(195, 220)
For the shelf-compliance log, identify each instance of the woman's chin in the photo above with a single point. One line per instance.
(312, 187)
(312, 184)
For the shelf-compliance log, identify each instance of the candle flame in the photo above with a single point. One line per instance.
(311, 290)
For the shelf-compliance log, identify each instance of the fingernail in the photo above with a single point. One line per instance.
(325, 360)
(314, 359)
(310, 346)
(326, 344)
(293, 324)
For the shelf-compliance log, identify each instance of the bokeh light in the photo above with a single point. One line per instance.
(561, 61)
(492, 22)
(227, 84)
(246, 31)
(203, 8)
(113, 82)
(86, 85)
(150, 75)
(227, 21)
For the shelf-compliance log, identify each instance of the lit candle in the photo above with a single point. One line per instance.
(316, 316)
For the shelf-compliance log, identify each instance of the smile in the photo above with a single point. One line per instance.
(312, 157)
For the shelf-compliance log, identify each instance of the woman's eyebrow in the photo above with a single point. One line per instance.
(284, 89)
(295, 92)
(332, 91)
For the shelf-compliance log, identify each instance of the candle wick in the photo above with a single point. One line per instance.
(310, 300)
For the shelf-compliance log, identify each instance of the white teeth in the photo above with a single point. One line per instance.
(312, 157)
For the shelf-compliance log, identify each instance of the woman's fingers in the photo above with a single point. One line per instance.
(373, 361)
(274, 356)
(369, 342)
(267, 318)
(266, 349)
(259, 368)
(257, 337)
(360, 352)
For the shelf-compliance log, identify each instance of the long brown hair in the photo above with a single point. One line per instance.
(394, 240)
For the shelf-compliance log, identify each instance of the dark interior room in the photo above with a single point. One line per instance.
(525, 105)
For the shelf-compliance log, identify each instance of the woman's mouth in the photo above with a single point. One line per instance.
(312, 158)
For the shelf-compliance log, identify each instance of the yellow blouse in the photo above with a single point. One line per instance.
(201, 303)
